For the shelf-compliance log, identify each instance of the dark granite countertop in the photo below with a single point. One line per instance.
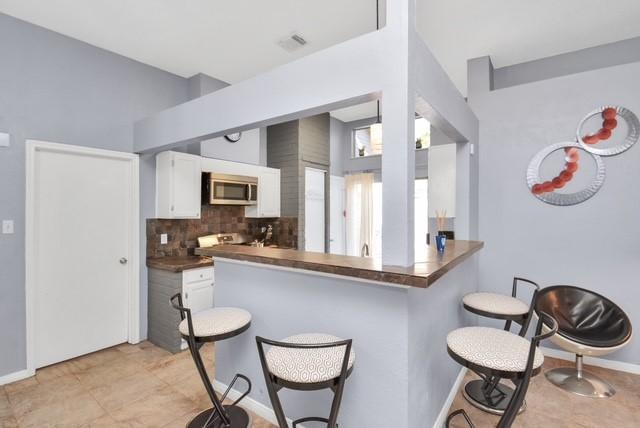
(419, 275)
(179, 263)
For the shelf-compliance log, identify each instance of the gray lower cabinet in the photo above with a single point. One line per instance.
(196, 286)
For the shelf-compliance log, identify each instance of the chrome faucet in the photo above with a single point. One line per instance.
(365, 250)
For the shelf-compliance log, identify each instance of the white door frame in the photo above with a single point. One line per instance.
(34, 146)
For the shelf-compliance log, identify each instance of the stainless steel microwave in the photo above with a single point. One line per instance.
(223, 189)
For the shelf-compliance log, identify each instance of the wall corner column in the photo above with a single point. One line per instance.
(398, 158)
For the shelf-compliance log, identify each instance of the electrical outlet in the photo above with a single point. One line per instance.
(163, 239)
(7, 227)
(5, 139)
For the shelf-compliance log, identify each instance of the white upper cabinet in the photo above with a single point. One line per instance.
(178, 185)
(268, 194)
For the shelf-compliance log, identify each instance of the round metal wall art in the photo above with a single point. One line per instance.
(589, 142)
(585, 144)
(563, 199)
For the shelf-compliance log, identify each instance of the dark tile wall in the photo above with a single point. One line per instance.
(183, 234)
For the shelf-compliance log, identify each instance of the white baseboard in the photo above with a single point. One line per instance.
(16, 376)
(250, 404)
(592, 361)
(444, 412)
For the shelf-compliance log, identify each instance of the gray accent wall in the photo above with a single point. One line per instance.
(58, 89)
(282, 153)
(596, 244)
(292, 146)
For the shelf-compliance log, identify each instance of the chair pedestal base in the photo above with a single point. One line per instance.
(239, 419)
(580, 382)
(495, 403)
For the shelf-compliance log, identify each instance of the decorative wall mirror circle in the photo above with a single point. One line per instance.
(613, 136)
(557, 191)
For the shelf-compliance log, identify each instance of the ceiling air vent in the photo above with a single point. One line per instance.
(292, 43)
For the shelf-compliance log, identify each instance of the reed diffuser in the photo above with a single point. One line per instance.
(441, 239)
(440, 219)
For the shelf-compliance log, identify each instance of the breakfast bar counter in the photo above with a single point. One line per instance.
(420, 275)
(397, 317)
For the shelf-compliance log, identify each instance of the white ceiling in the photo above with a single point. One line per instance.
(227, 39)
(357, 112)
(234, 40)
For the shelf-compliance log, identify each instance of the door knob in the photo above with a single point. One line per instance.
(123, 261)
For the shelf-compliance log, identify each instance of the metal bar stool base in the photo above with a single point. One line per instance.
(495, 403)
(586, 385)
(238, 416)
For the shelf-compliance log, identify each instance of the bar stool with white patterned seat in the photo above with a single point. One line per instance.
(489, 394)
(306, 362)
(212, 325)
(498, 353)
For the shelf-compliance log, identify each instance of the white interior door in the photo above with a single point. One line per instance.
(336, 218)
(314, 210)
(81, 240)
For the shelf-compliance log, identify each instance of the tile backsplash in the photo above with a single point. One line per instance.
(183, 234)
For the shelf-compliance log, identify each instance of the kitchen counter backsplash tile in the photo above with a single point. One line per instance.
(183, 234)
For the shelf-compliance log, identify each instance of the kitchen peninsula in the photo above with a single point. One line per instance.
(397, 317)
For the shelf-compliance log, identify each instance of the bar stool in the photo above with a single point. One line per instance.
(212, 325)
(498, 353)
(306, 362)
(487, 393)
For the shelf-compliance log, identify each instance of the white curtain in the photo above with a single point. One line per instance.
(359, 213)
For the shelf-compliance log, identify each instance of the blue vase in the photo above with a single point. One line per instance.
(441, 242)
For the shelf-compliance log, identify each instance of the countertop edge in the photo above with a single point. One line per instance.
(383, 275)
(179, 264)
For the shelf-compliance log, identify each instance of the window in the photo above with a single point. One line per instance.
(355, 219)
(367, 141)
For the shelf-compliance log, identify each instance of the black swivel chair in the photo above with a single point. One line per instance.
(588, 324)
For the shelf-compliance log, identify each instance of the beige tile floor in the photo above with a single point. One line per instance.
(551, 407)
(145, 386)
(126, 386)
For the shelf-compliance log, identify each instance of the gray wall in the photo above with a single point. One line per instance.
(431, 370)
(282, 153)
(595, 244)
(284, 303)
(617, 53)
(58, 89)
(336, 150)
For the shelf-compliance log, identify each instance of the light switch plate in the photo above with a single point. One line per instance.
(163, 239)
(5, 139)
(7, 227)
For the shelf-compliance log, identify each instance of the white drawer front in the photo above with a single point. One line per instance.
(195, 275)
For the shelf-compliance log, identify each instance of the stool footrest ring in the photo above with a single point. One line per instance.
(244, 394)
(311, 419)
